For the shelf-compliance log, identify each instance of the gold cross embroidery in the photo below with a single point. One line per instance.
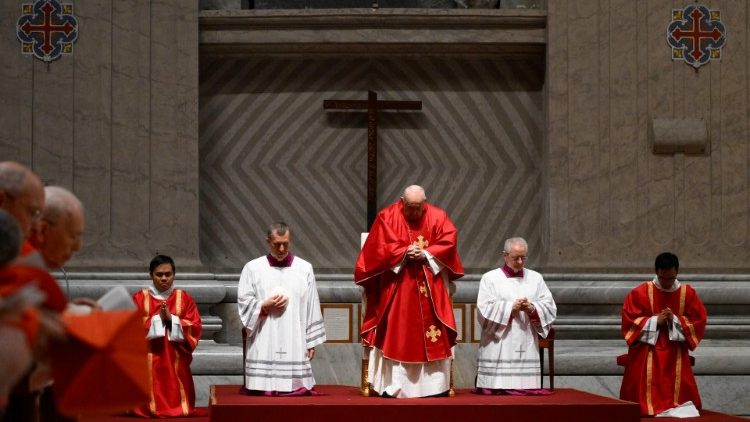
(421, 242)
(433, 334)
(423, 289)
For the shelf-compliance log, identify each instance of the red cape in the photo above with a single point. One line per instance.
(660, 377)
(16, 276)
(408, 315)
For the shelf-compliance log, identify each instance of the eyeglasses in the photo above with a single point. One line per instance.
(516, 258)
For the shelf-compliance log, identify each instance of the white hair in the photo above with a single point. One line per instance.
(415, 190)
(515, 241)
(59, 203)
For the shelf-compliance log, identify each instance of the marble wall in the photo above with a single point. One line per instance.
(270, 151)
(116, 122)
(613, 204)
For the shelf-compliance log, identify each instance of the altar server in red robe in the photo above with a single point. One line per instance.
(406, 267)
(173, 326)
(662, 320)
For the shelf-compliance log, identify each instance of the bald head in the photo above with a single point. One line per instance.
(61, 229)
(21, 195)
(413, 200)
(414, 193)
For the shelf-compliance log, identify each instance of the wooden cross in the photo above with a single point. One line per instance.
(433, 334)
(372, 105)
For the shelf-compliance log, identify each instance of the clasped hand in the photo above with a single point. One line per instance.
(276, 302)
(664, 316)
(414, 253)
(164, 313)
(523, 304)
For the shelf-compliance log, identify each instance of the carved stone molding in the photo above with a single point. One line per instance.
(367, 32)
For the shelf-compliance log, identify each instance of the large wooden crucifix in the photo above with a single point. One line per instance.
(372, 105)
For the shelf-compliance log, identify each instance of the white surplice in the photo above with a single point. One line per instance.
(276, 348)
(509, 351)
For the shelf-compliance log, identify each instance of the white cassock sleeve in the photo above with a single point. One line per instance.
(176, 334)
(545, 308)
(315, 332)
(157, 328)
(490, 305)
(435, 265)
(650, 332)
(248, 302)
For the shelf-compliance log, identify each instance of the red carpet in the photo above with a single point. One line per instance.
(342, 403)
(127, 418)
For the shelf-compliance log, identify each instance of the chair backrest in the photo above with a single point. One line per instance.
(546, 343)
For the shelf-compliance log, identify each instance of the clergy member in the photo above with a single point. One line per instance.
(172, 325)
(514, 307)
(280, 312)
(21, 195)
(662, 319)
(405, 266)
(59, 233)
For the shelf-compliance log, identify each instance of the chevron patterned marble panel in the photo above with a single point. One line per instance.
(269, 151)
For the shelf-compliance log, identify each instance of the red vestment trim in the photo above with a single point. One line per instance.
(169, 362)
(657, 376)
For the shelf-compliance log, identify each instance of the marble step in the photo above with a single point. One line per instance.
(572, 357)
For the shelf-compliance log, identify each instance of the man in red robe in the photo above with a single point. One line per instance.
(405, 266)
(662, 320)
(173, 326)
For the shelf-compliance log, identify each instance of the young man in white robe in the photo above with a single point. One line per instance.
(280, 311)
(514, 307)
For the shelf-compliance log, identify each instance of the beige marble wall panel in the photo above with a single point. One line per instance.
(621, 122)
(733, 91)
(583, 151)
(92, 96)
(131, 124)
(174, 146)
(557, 130)
(660, 181)
(15, 90)
(84, 122)
(609, 73)
(53, 120)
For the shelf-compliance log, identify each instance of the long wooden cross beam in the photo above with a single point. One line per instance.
(372, 105)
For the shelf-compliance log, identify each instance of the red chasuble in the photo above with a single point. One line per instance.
(16, 276)
(660, 377)
(408, 315)
(172, 391)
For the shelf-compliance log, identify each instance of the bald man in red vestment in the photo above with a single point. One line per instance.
(406, 265)
(662, 319)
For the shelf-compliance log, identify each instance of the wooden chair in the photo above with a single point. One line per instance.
(549, 344)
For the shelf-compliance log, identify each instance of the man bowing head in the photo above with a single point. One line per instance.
(405, 267)
(280, 311)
